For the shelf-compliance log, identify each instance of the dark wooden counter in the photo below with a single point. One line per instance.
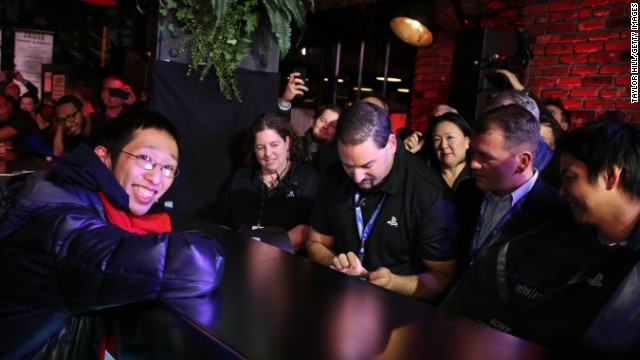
(274, 305)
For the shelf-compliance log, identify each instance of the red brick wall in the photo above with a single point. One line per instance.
(581, 54)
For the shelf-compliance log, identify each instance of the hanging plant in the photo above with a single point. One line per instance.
(220, 32)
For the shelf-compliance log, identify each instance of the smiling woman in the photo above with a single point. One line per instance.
(275, 190)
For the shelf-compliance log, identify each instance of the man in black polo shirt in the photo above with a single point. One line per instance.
(382, 215)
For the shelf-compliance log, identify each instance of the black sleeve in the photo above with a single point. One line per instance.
(320, 218)
(23, 123)
(31, 89)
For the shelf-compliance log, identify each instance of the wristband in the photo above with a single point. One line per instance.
(284, 108)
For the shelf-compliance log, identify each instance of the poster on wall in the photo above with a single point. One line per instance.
(32, 48)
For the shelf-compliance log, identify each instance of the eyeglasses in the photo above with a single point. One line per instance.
(69, 118)
(147, 163)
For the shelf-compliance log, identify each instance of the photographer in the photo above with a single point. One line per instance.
(116, 97)
(295, 87)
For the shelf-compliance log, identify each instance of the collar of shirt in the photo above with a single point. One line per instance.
(518, 193)
(392, 183)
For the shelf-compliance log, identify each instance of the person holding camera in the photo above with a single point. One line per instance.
(295, 87)
(116, 97)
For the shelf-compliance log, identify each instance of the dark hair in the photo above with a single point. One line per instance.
(47, 112)
(603, 144)
(121, 131)
(278, 124)
(517, 124)
(6, 98)
(404, 132)
(81, 89)
(565, 114)
(612, 115)
(455, 118)
(32, 96)
(69, 99)
(364, 120)
(111, 78)
(452, 117)
(324, 108)
(546, 118)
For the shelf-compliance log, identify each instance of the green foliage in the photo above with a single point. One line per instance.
(220, 31)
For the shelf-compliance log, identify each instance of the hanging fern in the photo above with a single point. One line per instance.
(220, 32)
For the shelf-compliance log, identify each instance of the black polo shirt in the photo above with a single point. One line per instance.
(415, 221)
(247, 200)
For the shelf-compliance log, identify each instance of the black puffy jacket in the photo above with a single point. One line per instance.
(60, 258)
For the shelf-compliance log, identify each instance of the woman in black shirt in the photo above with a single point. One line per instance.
(274, 189)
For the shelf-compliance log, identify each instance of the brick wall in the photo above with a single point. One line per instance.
(581, 54)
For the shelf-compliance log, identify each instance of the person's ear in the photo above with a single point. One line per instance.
(467, 142)
(525, 159)
(392, 143)
(287, 140)
(612, 176)
(104, 155)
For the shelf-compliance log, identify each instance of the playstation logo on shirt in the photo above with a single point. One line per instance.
(291, 194)
(596, 281)
(393, 222)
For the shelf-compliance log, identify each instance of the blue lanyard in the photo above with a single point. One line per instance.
(363, 233)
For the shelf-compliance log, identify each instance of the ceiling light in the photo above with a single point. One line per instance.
(389, 79)
(403, 90)
(414, 24)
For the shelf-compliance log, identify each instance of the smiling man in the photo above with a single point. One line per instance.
(73, 127)
(600, 166)
(530, 272)
(321, 132)
(78, 241)
(380, 215)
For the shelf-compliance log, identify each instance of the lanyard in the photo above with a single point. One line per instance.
(363, 233)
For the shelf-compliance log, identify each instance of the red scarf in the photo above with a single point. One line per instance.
(145, 224)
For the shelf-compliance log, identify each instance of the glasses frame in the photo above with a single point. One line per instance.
(70, 117)
(151, 164)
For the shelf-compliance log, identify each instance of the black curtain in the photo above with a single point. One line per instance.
(209, 126)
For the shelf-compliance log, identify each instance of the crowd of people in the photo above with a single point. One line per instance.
(48, 129)
(514, 219)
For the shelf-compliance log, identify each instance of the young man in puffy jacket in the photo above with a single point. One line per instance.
(77, 240)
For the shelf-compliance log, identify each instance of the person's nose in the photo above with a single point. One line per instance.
(563, 191)
(154, 175)
(475, 164)
(267, 152)
(359, 175)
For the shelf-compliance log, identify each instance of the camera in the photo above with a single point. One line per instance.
(303, 73)
(515, 63)
(118, 93)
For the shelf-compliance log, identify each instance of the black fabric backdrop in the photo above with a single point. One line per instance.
(209, 126)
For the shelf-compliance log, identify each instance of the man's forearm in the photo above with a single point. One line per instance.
(427, 285)
(319, 253)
